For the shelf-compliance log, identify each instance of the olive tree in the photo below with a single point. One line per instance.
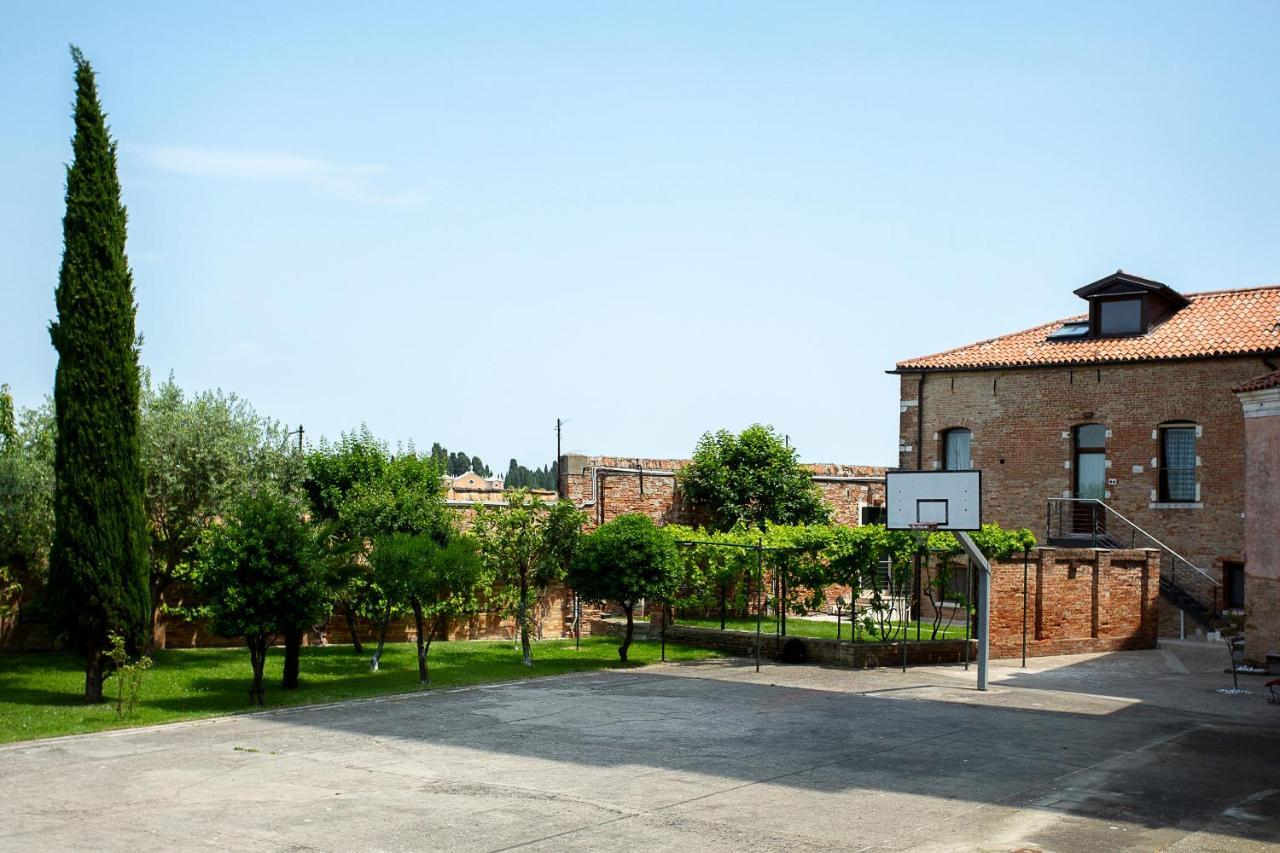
(26, 499)
(197, 457)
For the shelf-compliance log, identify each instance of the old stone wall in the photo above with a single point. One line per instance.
(610, 486)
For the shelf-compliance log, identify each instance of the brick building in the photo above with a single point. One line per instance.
(1117, 428)
(1260, 399)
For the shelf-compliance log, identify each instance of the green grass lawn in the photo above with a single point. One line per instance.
(798, 627)
(40, 692)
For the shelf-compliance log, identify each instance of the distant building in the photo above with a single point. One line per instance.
(1115, 428)
(471, 488)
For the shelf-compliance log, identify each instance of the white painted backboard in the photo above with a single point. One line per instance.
(951, 499)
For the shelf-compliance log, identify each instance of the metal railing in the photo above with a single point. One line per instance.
(1092, 522)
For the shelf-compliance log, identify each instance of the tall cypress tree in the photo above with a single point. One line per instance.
(98, 561)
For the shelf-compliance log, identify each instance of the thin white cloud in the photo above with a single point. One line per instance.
(364, 183)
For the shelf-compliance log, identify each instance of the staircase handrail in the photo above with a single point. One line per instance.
(1210, 578)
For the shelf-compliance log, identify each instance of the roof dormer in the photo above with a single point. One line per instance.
(1123, 305)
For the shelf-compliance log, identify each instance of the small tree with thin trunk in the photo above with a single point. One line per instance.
(98, 562)
(527, 546)
(406, 496)
(261, 575)
(435, 581)
(625, 560)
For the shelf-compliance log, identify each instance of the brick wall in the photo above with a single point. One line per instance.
(1262, 537)
(1078, 600)
(1022, 424)
(610, 486)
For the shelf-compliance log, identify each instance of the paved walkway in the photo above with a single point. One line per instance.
(1120, 751)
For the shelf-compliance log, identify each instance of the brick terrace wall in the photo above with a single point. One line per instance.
(1022, 424)
(1078, 600)
(653, 493)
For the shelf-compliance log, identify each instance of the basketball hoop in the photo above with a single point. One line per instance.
(922, 529)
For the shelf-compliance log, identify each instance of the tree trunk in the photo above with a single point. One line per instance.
(351, 627)
(292, 653)
(423, 642)
(629, 607)
(94, 675)
(382, 639)
(524, 619)
(258, 658)
(723, 603)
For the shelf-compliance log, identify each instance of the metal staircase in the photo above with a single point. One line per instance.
(1090, 523)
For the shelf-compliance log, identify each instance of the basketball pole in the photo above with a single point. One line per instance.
(984, 603)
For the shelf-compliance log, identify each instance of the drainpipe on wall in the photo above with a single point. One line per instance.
(920, 422)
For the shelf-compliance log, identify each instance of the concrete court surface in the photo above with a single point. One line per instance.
(1097, 752)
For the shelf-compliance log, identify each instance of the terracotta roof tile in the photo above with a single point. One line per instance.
(1216, 323)
(1260, 383)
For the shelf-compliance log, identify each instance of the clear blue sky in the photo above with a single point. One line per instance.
(457, 223)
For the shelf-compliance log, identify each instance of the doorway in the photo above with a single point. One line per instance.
(1090, 473)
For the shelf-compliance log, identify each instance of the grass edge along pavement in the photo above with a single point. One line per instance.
(818, 628)
(41, 693)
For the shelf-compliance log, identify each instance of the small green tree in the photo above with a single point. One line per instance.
(98, 562)
(406, 497)
(436, 581)
(261, 575)
(334, 470)
(750, 479)
(625, 560)
(527, 545)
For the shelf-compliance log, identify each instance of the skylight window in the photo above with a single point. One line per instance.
(1069, 331)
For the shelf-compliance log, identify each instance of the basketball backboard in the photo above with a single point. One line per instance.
(951, 500)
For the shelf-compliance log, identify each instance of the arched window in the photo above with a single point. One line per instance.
(1178, 462)
(956, 447)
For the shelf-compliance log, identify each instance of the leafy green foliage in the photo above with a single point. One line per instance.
(333, 470)
(436, 581)
(750, 479)
(806, 559)
(625, 560)
(527, 545)
(26, 499)
(405, 496)
(98, 564)
(199, 453)
(261, 574)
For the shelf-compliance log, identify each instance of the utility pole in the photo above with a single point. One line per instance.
(299, 431)
(559, 423)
